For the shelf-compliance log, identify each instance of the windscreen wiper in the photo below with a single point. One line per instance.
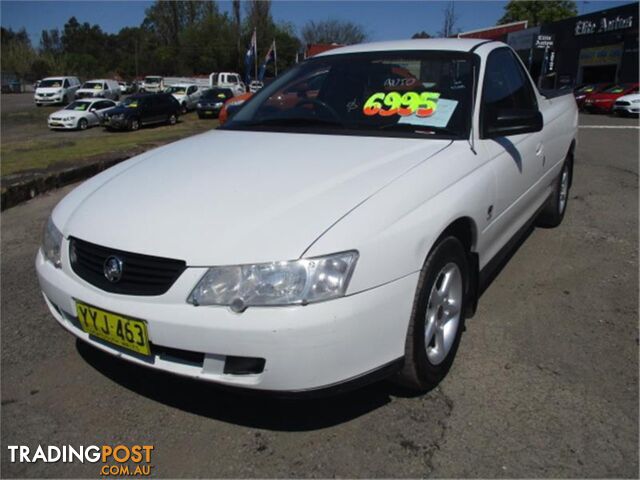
(408, 127)
(292, 122)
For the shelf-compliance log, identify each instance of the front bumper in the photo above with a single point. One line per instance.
(212, 111)
(633, 109)
(117, 123)
(305, 347)
(47, 100)
(64, 124)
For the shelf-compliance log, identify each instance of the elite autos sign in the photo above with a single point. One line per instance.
(587, 27)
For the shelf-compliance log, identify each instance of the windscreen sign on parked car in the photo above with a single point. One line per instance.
(93, 86)
(78, 106)
(413, 93)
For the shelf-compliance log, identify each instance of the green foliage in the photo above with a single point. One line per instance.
(538, 11)
(333, 31)
(175, 38)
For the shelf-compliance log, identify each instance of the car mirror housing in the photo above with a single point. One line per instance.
(507, 122)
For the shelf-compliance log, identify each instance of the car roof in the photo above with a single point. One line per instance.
(452, 44)
(183, 85)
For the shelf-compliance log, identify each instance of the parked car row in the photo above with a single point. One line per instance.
(135, 111)
(620, 98)
(65, 89)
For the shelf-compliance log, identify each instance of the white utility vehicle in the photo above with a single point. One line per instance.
(53, 90)
(331, 233)
(152, 84)
(81, 114)
(187, 95)
(230, 80)
(103, 88)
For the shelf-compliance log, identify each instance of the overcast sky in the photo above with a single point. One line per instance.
(382, 20)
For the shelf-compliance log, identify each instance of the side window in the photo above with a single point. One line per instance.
(506, 85)
(191, 90)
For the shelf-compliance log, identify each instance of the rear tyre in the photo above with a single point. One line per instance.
(134, 124)
(38, 104)
(183, 108)
(553, 212)
(65, 100)
(200, 116)
(83, 124)
(437, 319)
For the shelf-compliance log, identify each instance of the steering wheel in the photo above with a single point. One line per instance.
(320, 103)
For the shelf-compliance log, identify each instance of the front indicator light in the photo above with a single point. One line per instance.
(296, 282)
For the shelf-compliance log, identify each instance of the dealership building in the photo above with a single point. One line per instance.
(593, 48)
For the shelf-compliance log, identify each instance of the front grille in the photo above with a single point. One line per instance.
(141, 274)
(622, 103)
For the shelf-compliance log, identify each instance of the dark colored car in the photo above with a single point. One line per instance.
(584, 91)
(143, 109)
(211, 102)
(602, 102)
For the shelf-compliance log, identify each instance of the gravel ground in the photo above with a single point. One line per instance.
(545, 383)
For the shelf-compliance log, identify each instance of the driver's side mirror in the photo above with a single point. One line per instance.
(507, 122)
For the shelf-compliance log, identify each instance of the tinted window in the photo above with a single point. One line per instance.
(66, 83)
(505, 84)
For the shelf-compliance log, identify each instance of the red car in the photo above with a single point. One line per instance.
(603, 101)
(585, 91)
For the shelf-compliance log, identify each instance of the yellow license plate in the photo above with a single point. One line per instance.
(122, 331)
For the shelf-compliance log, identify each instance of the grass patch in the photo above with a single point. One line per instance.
(47, 153)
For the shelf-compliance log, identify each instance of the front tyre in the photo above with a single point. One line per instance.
(555, 208)
(134, 124)
(437, 318)
(83, 124)
(172, 119)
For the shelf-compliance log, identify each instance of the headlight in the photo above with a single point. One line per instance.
(51, 243)
(635, 101)
(199, 105)
(277, 283)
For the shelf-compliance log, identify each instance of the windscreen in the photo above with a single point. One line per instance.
(220, 94)
(152, 80)
(93, 85)
(417, 92)
(55, 83)
(617, 88)
(176, 90)
(78, 106)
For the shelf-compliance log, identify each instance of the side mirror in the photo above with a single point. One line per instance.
(503, 123)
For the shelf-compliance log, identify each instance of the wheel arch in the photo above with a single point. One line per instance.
(466, 231)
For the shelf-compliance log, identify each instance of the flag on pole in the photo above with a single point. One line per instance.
(270, 56)
(250, 56)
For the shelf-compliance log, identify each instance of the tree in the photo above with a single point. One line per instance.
(333, 31)
(421, 34)
(537, 12)
(449, 21)
(17, 54)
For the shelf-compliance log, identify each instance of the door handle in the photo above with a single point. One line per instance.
(539, 149)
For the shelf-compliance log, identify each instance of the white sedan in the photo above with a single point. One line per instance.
(627, 104)
(324, 237)
(80, 114)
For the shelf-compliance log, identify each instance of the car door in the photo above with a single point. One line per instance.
(147, 110)
(191, 96)
(99, 109)
(517, 160)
